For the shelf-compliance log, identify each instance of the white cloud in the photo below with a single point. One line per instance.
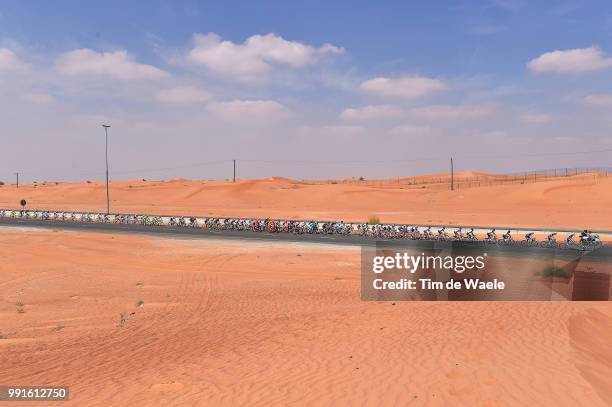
(403, 87)
(38, 98)
(601, 100)
(254, 58)
(342, 131)
(183, 95)
(250, 111)
(447, 112)
(331, 131)
(409, 130)
(117, 65)
(9, 61)
(536, 118)
(571, 61)
(371, 112)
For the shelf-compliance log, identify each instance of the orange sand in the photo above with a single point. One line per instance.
(224, 323)
(579, 202)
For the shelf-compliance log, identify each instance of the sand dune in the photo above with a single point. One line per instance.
(265, 324)
(573, 202)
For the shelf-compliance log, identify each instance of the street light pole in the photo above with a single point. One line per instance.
(106, 126)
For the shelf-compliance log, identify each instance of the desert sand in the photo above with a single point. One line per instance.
(152, 321)
(574, 202)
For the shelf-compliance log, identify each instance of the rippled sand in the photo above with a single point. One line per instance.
(230, 323)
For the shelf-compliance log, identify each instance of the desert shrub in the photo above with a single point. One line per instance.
(373, 220)
(555, 271)
(88, 181)
(140, 303)
(361, 179)
(1, 183)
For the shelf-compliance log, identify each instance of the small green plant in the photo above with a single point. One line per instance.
(140, 303)
(373, 220)
(555, 271)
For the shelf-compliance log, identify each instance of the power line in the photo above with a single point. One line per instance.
(537, 154)
(194, 165)
(330, 162)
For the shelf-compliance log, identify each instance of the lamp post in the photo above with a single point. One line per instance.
(106, 127)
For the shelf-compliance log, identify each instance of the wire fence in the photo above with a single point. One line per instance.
(460, 180)
(475, 180)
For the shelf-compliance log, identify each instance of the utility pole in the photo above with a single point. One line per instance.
(234, 170)
(106, 126)
(17, 175)
(452, 175)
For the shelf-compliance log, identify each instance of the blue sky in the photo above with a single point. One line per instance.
(407, 82)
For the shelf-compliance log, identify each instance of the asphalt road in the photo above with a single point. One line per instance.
(602, 254)
(186, 231)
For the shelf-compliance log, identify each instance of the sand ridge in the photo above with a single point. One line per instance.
(577, 203)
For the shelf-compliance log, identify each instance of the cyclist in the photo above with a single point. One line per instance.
(551, 237)
(442, 233)
(529, 237)
(584, 236)
(507, 236)
(570, 238)
(458, 233)
(471, 235)
(491, 235)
